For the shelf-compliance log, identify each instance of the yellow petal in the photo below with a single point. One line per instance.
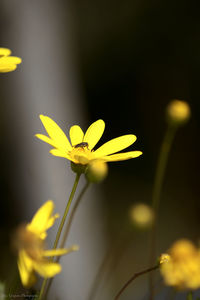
(56, 133)
(122, 156)
(4, 68)
(76, 135)
(4, 52)
(25, 267)
(94, 133)
(115, 145)
(59, 153)
(46, 268)
(46, 139)
(11, 60)
(58, 252)
(42, 219)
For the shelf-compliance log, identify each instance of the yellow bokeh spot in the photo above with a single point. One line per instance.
(178, 111)
(142, 215)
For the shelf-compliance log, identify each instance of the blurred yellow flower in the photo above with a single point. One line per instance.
(8, 63)
(182, 268)
(142, 215)
(178, 112)
(80, 151)
(96, 171)
(29, 241)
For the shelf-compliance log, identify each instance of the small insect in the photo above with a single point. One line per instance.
(81, 145)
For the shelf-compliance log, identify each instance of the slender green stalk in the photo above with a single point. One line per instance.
(158, 183)
(189, 296)
(109, 263)
(161, 166)
(68, 226)
(42, 291)
(71, 217)
(133, 278)
(66, 211)
(100, 273)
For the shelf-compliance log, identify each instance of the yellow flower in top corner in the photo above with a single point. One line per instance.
(181, 269)
(29, 242)
(81, 149)
(8, 63)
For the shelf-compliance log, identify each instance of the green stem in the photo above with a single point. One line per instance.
(189, 296)
(42, 291)
(133, 278)
(161, 166)
(158, 183)
(71, 217)
(68, 226)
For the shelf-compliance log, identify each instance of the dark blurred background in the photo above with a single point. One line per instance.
(130, 58)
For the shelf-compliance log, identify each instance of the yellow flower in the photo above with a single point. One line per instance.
(8, 63)
(29, 241)
(81, 149)
(182, 269)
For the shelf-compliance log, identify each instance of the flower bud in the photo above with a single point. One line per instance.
(78, 168)
(178, 112)
(96, 171)
(142, 215)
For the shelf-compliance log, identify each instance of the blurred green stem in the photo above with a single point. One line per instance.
(68, 226)
(189, 296)
(42, 291)
(158, 183)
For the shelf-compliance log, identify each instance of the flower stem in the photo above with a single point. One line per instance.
(71, 217)
(158, 183)
(189, 296)
(161, 166)
(42, 291)
(133, 278)
(68, 226)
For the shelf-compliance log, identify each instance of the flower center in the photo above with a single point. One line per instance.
(30, 242)
(80, 154)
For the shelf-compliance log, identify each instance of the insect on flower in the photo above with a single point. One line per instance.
(81, 145)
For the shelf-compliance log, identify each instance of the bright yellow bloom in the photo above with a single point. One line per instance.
(8, 63)
(81, 149)
(29, 241)
(182, 269)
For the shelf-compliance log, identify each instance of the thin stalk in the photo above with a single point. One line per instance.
(133, 278)
(42, 291)
(109, 263)
(100, 273)
(71, 217)
(161, 166)
(189, 296)
(68, 226)
(158, 183)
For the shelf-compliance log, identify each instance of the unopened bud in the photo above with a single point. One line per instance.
(142, 215)
(96, 171)
(78, 168)
(178, 112)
